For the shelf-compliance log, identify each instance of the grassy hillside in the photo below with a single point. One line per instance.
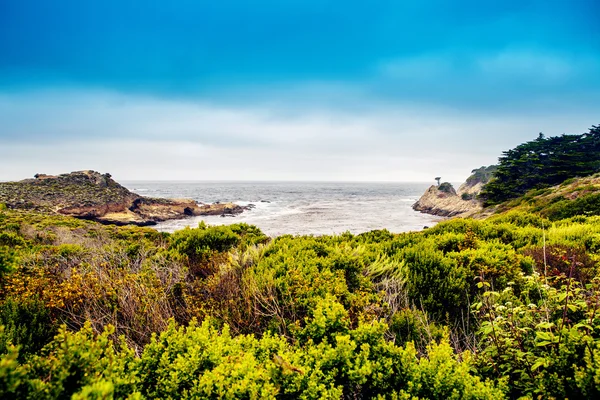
(48, 193)
(571, 198)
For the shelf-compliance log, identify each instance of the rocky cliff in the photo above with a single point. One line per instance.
(445, 201)
(95, 196)
(446, 204)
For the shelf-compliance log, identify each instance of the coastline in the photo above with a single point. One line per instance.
(317, 208)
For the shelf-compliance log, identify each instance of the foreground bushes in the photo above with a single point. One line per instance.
(200, 361)
(454, 311)
(544, 340)
(542, 346)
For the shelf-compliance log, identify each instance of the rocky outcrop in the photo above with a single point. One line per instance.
(95, 196)
(444, 201)
(446, 204)
(224, 210)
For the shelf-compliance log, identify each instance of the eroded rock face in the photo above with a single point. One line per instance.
(449, 203)
(91, 195)
(225, 209)
(444, 201)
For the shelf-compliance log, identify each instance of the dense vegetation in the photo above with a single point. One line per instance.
(481, 175)
(571, 198)
(506, 307)
(542, 163)
(500, 308)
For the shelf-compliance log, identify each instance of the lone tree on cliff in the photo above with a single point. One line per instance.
(437, 178)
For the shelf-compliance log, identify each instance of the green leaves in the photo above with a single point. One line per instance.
(545, 338)
(538, 338)
(200, 361)
(6, 259)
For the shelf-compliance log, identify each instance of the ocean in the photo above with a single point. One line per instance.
(304, 208)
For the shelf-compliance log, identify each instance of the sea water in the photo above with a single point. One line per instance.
(315, 208)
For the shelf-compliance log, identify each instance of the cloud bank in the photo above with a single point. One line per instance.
(141, 137)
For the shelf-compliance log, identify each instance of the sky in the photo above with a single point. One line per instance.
(385, 90)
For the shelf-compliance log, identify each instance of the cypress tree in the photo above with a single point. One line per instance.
(543, 162)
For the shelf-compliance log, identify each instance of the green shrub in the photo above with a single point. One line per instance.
(542, 339)
(412, 325)
(435, 282)
(449, 242)
(376, 236)
(197, 243)
(565, 208)
(198, 361)
(447, 187)
(327, 320)
(11, 239)
(519, 219)
(27, 324)
(6, 259)
(249, 235)
(565, 260)
(200, 244)
(75, 364)
(12, 374)
(493, 261)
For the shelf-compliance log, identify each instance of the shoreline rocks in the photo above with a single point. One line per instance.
(94, 196)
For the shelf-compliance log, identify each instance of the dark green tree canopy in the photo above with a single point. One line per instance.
(543, 162)
(481, 175)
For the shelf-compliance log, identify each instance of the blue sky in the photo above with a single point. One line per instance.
(290, 90)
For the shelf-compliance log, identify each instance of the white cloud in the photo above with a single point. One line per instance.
(136, 137)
